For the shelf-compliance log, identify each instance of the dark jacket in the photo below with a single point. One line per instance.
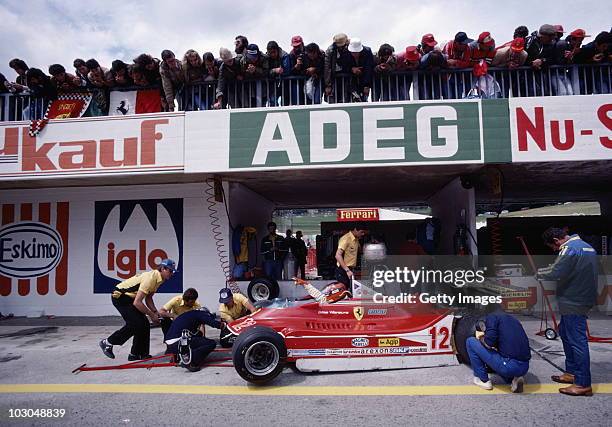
(505, 333)
(366, 61)
(260, 68)
(191, 321)
(536, 50)
(588, 51)
(575, 271)
(300, 251)
(336, 61)
(318, 63)
(273, 251)
(283, 61)
(228, 74)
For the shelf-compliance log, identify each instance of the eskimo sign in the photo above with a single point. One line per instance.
(438, 133)
(83, 146)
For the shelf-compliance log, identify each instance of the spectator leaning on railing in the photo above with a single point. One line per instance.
(193, 75)
(230, 74)
(62, 80)
(385, 62)
(40, 84)
(121, 74)
(278, 65)
(337, 60)
(172, 77)
(99, 76)
(407, 61)
(241, 43)
(22, 69)
(81, 71)
(314, 64)
(362, 70)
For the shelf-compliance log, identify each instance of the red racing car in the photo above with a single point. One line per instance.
(348, 335)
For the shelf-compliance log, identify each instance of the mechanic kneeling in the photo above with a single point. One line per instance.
(504, 347)
(200, 346)
(233, 306)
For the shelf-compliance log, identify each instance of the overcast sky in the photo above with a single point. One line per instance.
(46, 32)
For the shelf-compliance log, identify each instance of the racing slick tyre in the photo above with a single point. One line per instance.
(466, 327)
(263, 288)
(259, 354)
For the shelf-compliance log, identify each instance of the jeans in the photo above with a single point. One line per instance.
(342, 277)
(572, 330)
(200, 348)
(480, 356)
(273, 269)
(136, 325)
(239, 270)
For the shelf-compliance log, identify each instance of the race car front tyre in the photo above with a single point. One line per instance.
(259, 354)
(262, 289)
(465, 328)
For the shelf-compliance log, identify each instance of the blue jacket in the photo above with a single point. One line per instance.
(575, 271)
(506, 334)
(191, 320)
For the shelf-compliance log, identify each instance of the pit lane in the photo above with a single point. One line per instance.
(35, 372)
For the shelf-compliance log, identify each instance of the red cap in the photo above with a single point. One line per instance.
(559, 28)
(579, 33)
(486, 39)
(412, 54)
(296, 41)
(428, 39)
(518, 44)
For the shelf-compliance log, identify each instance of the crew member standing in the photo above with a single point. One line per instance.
(346, 256)
(301, 253)
(274, 249)
(133, 299)
(575, 271)
(176, 306)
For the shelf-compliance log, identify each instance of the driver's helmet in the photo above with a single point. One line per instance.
(335, 292)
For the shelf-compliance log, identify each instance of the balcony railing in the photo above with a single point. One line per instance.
(398, 86)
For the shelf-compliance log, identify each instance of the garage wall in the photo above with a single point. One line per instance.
(129, 227)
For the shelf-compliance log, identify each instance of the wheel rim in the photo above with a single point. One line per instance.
(261, 292)
(261, 358)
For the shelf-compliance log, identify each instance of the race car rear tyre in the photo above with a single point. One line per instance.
(259, 354)
(466, 327)
(263, 288)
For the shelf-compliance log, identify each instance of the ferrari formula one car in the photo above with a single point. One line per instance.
(348, 335)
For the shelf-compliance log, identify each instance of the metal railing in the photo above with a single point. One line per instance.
(398, 86)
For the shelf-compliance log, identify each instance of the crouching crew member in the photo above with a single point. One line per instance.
(193, 321)
(233, 306)
(504, 347)
(575, 271)
(176, 306)
(346, 256)
(133, 299)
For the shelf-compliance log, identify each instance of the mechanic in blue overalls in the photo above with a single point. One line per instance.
(504, 347)
(575, 271)
(184, 332)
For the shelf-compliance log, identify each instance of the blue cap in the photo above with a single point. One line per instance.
(169, 264)
(225, 295)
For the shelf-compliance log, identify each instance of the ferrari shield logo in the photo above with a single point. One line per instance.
(358, 313)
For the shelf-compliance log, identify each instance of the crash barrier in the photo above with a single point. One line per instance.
(396, 86)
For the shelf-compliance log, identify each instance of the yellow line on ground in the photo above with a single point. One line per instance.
(421, 390)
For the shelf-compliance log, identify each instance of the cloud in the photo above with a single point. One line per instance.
(43, 33)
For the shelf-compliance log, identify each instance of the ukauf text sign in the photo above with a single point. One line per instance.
(561, 128)
(417, 133)
(100, 146)
(365, 214)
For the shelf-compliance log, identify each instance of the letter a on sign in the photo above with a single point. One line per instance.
(287, 141)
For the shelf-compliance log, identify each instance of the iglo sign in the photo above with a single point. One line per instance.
(29, 249)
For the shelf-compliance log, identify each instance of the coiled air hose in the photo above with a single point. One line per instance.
(217, 233)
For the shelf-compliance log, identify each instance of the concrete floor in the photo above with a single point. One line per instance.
(217, 395)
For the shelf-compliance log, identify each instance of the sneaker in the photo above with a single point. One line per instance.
(517, 384)
(190, 367)
(132, 357)
(107, 349)
(486, 385)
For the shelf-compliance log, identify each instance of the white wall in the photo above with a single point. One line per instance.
(199, 265)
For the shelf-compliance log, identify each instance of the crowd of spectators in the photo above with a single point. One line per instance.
(346, 71)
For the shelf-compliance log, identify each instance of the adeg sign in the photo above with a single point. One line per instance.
(133, 236)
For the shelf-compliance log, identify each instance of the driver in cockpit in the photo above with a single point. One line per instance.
(333, 292)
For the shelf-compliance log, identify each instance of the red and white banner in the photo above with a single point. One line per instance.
(134, 102)
(561, 128)
(93, 145)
